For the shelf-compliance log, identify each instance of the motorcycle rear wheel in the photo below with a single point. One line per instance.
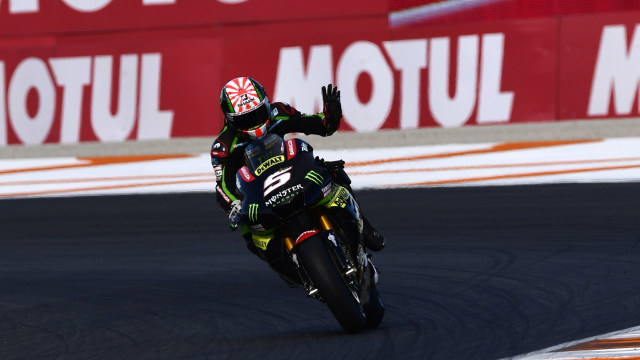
(331, 285)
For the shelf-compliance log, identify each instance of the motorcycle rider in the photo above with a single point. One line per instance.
(248, 115)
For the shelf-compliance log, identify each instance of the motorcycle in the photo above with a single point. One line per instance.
(290, 197)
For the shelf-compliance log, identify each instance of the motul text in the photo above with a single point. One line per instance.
(617, 72)
(43, 78)
(475, 86)
(31, 6)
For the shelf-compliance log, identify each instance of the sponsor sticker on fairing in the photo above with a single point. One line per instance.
(257, 228)
(269, 163)
(283, 195)
(291, 148)
(305, 235)
(326, 190)
(246, 174)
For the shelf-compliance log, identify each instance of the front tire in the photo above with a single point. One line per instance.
(344, 305)
(374, 308)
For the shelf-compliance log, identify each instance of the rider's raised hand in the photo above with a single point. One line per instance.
(332, 108)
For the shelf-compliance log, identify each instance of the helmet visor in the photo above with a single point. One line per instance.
(252, 119)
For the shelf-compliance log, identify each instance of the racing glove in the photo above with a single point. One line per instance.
(234, 214)
(332, 108)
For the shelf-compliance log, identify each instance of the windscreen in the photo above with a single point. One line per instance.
(263, 153)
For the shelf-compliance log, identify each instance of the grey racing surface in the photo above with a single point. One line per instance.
(468, 273)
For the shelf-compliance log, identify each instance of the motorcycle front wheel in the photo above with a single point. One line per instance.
(342, 302)
(374, 308)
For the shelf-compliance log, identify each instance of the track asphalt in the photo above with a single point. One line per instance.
(469, 273)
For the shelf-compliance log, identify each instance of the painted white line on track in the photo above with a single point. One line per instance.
(624, 344)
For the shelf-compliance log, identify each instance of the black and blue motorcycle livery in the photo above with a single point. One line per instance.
(290, 197)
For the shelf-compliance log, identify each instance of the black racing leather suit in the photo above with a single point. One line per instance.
(227, 150)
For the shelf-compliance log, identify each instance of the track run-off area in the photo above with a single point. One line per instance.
(525, 250)
(512, 163)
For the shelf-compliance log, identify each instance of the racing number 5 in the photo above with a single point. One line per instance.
(276, 180)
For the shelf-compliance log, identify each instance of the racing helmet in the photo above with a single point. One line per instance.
(245, 106)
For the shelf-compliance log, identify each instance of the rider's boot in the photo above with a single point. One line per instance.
(373, 239)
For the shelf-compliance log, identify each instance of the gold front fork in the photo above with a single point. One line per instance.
(325, 223)
(288, 241)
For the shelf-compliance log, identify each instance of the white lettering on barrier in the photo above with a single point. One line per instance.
(617, 71)
(23, 6)
(410, 67)
(152, 123)
(72, 74)
(453, 112)
(108, 126)
(409, 57)
(32, 6)
(158, 2)
(87, 5)
(3, 108)
(359, 57)
(494, 106)
(31, 74)
(300, 87)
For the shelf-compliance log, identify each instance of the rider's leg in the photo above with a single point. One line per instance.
(373, 239)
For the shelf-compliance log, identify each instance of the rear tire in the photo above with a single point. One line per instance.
(331, 285)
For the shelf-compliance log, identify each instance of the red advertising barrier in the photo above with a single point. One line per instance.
(599, 71)
(60, 16)
(155, 85)
(66, 79)
(446, 76)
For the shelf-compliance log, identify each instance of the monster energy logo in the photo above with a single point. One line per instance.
(314, 176)
(253, 212)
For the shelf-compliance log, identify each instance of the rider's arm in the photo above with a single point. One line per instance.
(295, 121)
(323, 124)
(225, 171)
